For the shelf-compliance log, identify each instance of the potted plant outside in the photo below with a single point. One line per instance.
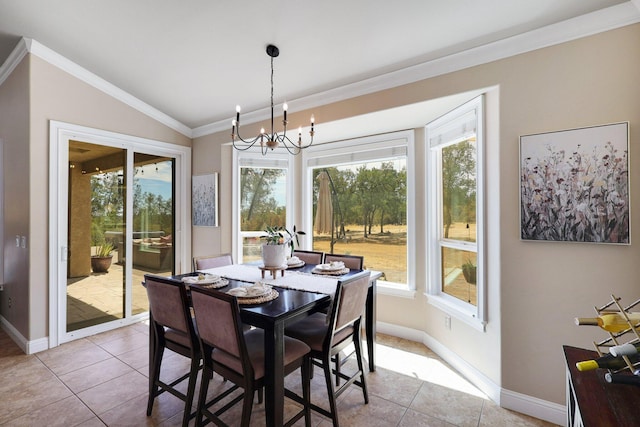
(276, 242)
(469, 270)
(101, 261)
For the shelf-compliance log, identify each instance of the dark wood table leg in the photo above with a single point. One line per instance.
(274, 375)
(370, 325)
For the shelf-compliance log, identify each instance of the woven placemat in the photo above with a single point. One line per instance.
(259, 300)
(219, 284)
(331, 272)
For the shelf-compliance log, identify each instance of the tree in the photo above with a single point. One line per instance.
(458, 183)
(259, 208)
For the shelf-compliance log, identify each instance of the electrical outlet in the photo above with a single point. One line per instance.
(17, 241)
(9, 302)
(447, 322)
(23, 242)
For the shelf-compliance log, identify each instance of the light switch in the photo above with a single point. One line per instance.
(17, 241)
(23, 242)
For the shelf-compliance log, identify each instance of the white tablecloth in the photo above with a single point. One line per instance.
(291, 280)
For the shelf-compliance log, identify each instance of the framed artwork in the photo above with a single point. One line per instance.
(204, 200)
(574, 185)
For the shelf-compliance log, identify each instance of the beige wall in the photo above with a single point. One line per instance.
(535, 289)
(14, 131)
(36, 93)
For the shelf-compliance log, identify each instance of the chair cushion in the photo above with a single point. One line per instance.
(177, 337)
(313, 329)
(254, 339)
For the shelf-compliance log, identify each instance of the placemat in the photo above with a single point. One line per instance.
(330, 272)
(219, 284)
(259, 300)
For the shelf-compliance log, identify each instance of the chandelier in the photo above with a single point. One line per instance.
(272, 139)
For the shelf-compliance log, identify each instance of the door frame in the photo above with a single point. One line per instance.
(59, 135)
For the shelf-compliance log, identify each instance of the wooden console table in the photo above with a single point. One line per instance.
(593, 402)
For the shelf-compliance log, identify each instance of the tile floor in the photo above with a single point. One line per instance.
(102, 380)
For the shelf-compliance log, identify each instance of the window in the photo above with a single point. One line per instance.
(364, 208)
(454, 212)
(263, 195)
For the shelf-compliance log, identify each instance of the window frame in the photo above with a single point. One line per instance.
(276, 159)
(447, 130)
(369, 148)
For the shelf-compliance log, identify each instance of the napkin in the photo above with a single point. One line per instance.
(201, 277)
(255, 290)
(294, 260)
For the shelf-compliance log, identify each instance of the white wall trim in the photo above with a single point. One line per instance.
(28, 347)
(582, 26)
(19, 52)
(522, 403)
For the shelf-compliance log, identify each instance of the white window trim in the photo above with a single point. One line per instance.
(273, 159)
(454, 127)
(363, 149)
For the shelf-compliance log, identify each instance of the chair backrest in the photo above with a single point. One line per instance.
(354, 262)
(211, 261)
(168, 303)
(349, 301)
(309, 257)
(218, 320)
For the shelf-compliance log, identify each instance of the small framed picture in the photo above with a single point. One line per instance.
(204, 200)
(574, 185)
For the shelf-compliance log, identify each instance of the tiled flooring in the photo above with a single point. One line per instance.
(102, 380)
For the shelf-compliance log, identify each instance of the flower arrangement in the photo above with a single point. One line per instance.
(278, 235)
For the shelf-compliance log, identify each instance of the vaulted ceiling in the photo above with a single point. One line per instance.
(194, 60)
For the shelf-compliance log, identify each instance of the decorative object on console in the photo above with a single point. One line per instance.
(272, 139)
(569, 178)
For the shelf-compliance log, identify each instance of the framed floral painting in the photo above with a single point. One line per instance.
(574, 185)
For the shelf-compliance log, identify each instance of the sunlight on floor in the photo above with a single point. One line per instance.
(424, 368)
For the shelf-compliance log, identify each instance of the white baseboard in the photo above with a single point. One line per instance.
(29, 347)
(532, 406)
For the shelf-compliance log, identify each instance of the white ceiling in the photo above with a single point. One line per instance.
(194, 60)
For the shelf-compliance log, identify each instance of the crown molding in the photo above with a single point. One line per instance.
(582, 26)
(18, 52)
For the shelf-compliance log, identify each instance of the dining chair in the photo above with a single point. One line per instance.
(211, 261)
(172, 327)
(238, 356)
(309, 257)
(328, 334)
(353, 262)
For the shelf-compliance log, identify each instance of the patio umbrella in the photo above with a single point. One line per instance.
(324, 212)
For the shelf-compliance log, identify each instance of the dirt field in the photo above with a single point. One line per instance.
(387, 252)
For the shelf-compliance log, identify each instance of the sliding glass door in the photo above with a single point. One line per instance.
(113, 220)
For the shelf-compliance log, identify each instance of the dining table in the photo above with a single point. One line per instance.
(300, 293)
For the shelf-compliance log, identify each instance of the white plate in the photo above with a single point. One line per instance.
(250, 291)
(300, 264)
(206, 279)
(329, 267)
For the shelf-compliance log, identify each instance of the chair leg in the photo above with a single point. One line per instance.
(154, 375)
(247, 407)
(331, 392)
(193, 376)
(338, 364)
(202, 398)
(307, 368)
(358, 344)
